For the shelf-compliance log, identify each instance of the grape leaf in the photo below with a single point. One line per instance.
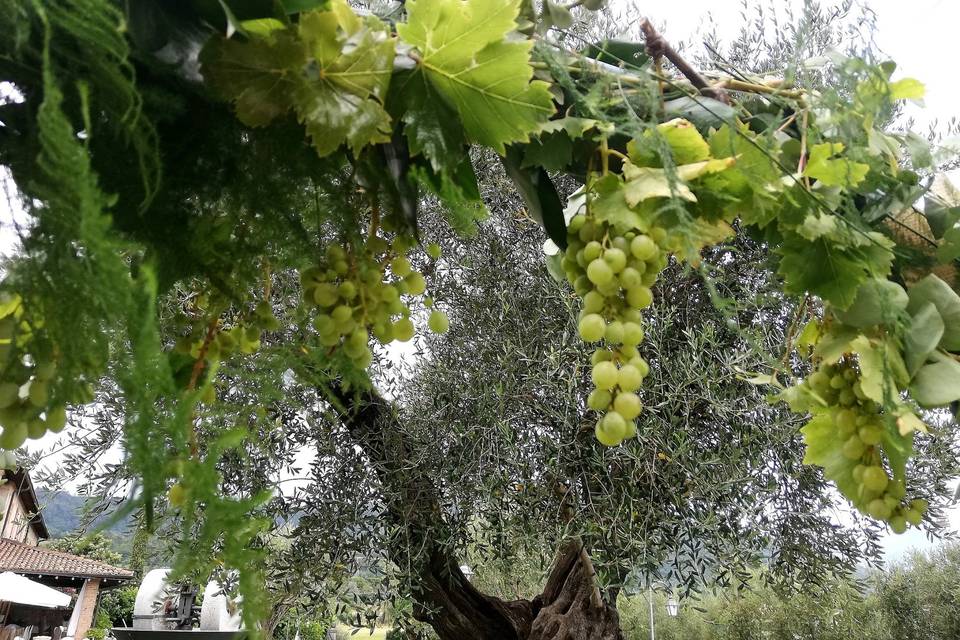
(949, 249)
(607, 203)
(941, 205)
(353, 61)
(899, 445)
(908, 422)
(457, 189)
(881, 368)
(821, 267)
(878, 301)
(333, 69)
(835, 343)
(938, 383)
(632, 55)
(824, 448)
(685, 142)
(933, 289)
(834, 172)
(923, 336)
(259, 75)
(702, 111)
(907, 89)
(753, 176)
(551, 145)
(432, 128)
(464, 54)
(540, 194)
(649, 182)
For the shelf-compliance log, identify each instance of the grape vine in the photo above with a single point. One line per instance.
(391, 107)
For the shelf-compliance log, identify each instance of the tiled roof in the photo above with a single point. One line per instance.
(23, 558)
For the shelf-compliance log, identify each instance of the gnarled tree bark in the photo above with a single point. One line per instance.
(570, 606)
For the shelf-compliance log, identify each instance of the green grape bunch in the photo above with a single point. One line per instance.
(360, 290)
(859, 425)
(28, 374)
(612, 273)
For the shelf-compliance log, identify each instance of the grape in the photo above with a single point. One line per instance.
(599, 399)
(45, 370)
(639, 297)
(612, 271)
(846, 420)
(14, 435)
(438, 322)
(629, 378)
(599, 272)
(614, 332)
(632, 334)
(853, 448)
(615, 259)
(347, 290)
(593, 302)
(860, 427)
(342, 315)
(898, 524)
(8, 460)
(36, 428)
(871, 434)
(403, 329)
(605, 375)
(355, 295)
(913, 517)
(875, 479)
(879, 509)
(643, 247)
(400, 266)
(39, 393)
(641, 366)
(56, 419)
(601, 355)
(605, 437)
(858, 473)
(592, 251)
(592, 327)
(177, 495)
(614, 424)
(416, 285)
(628, 405)
(9, 394)
(630, 278)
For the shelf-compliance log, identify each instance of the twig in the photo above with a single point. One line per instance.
(657, 46)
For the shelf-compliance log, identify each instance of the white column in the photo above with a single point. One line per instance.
(75, 616)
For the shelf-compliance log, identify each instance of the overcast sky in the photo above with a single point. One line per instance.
(915, 33)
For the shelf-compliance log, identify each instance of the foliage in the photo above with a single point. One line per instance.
(172, 231)
(913, 599)
(96, 546)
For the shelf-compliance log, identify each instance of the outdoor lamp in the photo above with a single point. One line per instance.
(673, 607)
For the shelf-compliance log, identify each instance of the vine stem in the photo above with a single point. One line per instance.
(657, 46)
(197, 370)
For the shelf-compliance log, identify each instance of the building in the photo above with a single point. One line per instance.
(20, 534)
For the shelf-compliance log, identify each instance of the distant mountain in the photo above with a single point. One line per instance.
(63, 513)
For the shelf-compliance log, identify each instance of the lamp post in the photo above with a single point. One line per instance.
(673, 608)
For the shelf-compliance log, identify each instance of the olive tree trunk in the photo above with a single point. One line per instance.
(570, 606)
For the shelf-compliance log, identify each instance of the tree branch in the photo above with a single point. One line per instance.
(657, 46)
